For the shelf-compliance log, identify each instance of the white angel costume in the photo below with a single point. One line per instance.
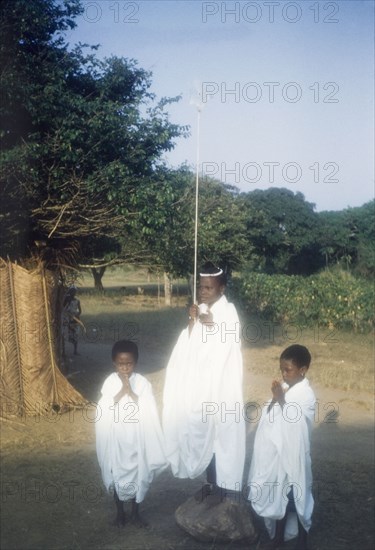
(281, 459)
(129, 439)
(203, 402)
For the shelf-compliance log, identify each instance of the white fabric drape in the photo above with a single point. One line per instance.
(129, 439)
(203, 403)
(281, 458)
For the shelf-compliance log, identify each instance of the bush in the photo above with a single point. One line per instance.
(334, 300)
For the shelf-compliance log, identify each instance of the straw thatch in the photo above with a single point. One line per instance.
(30, 380)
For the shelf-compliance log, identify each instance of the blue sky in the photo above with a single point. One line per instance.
(287, 87)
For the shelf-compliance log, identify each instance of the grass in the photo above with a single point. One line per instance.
(128, 278)
(113, 316)
(340, 359)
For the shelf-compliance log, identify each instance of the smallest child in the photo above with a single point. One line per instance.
(129, 440)
(280, 476)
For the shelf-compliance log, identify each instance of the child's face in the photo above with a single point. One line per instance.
(290, 372)
(124, 363)
(210, 290)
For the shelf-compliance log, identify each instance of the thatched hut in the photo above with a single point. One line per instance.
(31, 382)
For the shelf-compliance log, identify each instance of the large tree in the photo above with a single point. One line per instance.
(363, 219)
(81, 138)
(282, 228)
(169, 211)
(347, 238)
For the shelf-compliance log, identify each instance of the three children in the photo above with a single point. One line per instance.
(130, 445)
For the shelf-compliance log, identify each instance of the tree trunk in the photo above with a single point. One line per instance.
(158, 289)
(98, 275)
(167, 289)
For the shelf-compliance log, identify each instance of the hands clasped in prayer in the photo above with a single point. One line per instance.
(126, 388)
(278, 394)
(277, 391)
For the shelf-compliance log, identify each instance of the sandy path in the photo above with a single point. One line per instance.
(52, 496)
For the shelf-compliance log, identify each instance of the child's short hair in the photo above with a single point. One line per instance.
(125, 346)
(300, 355)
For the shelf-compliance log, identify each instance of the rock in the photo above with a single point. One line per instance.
(221, 519)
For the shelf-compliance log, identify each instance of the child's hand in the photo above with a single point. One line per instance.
(277, 391)
(206, 318)
(277, 395)
(126, 388)
(193, 312)
(126, 384)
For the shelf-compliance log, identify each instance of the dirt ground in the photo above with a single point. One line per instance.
(53, 498)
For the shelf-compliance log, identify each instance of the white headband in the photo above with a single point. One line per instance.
(220, 272)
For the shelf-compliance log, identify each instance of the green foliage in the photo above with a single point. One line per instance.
(81, 138)
(335, 300)
(167, 220)
(347, 238)
(282, 229)
(287, 236)
(81, 171)
(222, 226)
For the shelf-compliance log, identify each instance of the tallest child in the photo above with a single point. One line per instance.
(203, 403)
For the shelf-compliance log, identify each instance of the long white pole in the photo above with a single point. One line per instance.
(196, 209)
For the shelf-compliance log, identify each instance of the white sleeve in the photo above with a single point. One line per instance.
(112, 385)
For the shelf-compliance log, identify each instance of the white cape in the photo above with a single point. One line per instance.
(281, 458)
(129, 440)
(203, 403)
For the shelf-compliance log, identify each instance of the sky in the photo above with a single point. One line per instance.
(285, 89)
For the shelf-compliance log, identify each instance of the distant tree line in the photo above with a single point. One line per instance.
(273, 231)
(83, 183)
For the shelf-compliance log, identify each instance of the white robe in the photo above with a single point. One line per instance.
(203, 402)
(281, 458)
(129, 439)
